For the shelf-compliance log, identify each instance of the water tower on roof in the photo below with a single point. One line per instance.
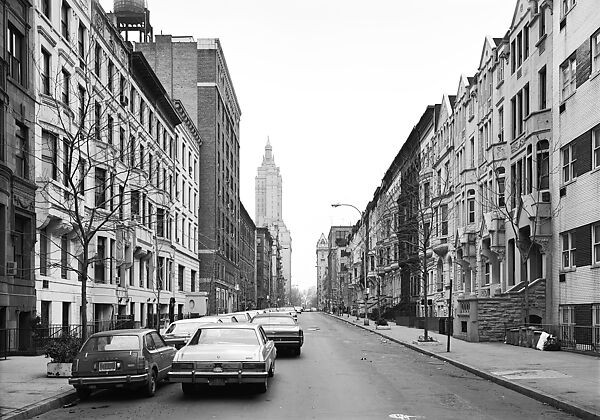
(133, 16)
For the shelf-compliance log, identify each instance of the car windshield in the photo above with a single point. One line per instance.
(112, 342)
(278, 320)
(225, 336)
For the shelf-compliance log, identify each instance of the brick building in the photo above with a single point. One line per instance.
(264, 257)
(203, 84)
(17, 169)
(247, 285)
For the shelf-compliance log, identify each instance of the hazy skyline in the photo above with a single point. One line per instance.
(336, 85)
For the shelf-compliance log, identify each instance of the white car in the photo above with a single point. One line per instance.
(222, 354)
(179, 332)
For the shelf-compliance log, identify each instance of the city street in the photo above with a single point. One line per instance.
(343, 372)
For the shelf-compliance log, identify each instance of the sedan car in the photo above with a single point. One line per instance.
(135, 358)
(179, 332)
(282, 329)
(222, 354)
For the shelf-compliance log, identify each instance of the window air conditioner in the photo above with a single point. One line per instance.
(11, 268)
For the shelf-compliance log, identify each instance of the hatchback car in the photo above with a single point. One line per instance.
(135, 359)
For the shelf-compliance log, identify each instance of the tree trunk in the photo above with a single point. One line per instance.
(425, 285)
(83, 279)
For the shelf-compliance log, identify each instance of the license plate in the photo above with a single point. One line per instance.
(107, 366)
(217, 382)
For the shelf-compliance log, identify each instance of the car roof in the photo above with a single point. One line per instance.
(234, 326)
(196, 320)
(133, 331)
(273, 314)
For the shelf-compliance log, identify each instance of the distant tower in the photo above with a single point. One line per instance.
(322, 263)
(133, 16)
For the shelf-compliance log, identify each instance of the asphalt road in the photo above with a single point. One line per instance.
(343, 372)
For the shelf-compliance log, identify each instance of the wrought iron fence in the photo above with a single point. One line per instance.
(585, 338)
(25, 341)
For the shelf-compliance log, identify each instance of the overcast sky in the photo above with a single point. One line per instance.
(336, 85)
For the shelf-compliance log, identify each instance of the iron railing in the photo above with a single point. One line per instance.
(27, 341)
(584, 338)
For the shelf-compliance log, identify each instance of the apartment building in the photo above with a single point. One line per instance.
(264, 251)
(247, 286)
(337, 293)
(110, 209)
(17, 169)
(195, 72)
(576, 176)
(322, 249)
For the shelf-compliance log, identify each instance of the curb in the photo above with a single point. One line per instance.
(42, 406)
(522, 389)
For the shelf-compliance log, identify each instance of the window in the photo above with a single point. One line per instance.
(99, 272)
(596, 146)
(181, 272)
(22, 151)
(44, 252)
(46, 8)
(160, 223)
(542, 22)
(525, 42)
(543, 165)
(500, 182)
(110, 127)
(471, 206)
(445, 219)
(45, 72)
(82, 174)
(568, 163)
(64, 256)
(542, 85)
(193, 283)
(81, 45)
(568, 77)
(122, 85)
(15, 54)
(122, 145)
(472, 145)
(49, 155)
(135, 205)
(66, 80)
(82, 109)
(500, 74)
(487, 272)
(100, 188)
(98, 60)
(98, 120)
(566, 6)
(596, 52)
(568, 250)
(111, 76)
(64, 20)
(596, 244)
(21, 246)
(520, 110)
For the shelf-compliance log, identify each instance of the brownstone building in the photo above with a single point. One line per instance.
(17, 188)
(203, 84)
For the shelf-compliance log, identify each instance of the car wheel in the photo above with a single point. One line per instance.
(150, 388)
(83, 393)
(272, 370)
(263, 386)
(188, 389)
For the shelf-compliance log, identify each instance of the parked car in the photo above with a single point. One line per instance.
(282, 329)
(135, 358)
(227, 318)
(242, 316)
(222, 354)
(179, 332)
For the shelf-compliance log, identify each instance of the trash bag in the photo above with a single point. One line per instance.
(552, 343)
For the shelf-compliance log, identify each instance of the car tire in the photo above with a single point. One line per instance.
(272, 370)
(83, 393)
(150, 388)
(188, 389)
(262, 387)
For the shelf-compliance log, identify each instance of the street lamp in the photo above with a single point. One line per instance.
(366, 257)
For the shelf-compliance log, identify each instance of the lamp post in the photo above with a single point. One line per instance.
(366, 257)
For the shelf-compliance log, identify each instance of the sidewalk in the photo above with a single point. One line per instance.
(25, 391)
(565, 380)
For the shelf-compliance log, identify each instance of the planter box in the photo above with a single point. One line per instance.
(59, 369)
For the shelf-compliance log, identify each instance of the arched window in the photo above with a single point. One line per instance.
(543, 165)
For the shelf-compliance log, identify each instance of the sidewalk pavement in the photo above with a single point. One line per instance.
(25, 391)
(566, 380)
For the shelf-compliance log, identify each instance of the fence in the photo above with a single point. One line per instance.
(585, 338)
(30, 341)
